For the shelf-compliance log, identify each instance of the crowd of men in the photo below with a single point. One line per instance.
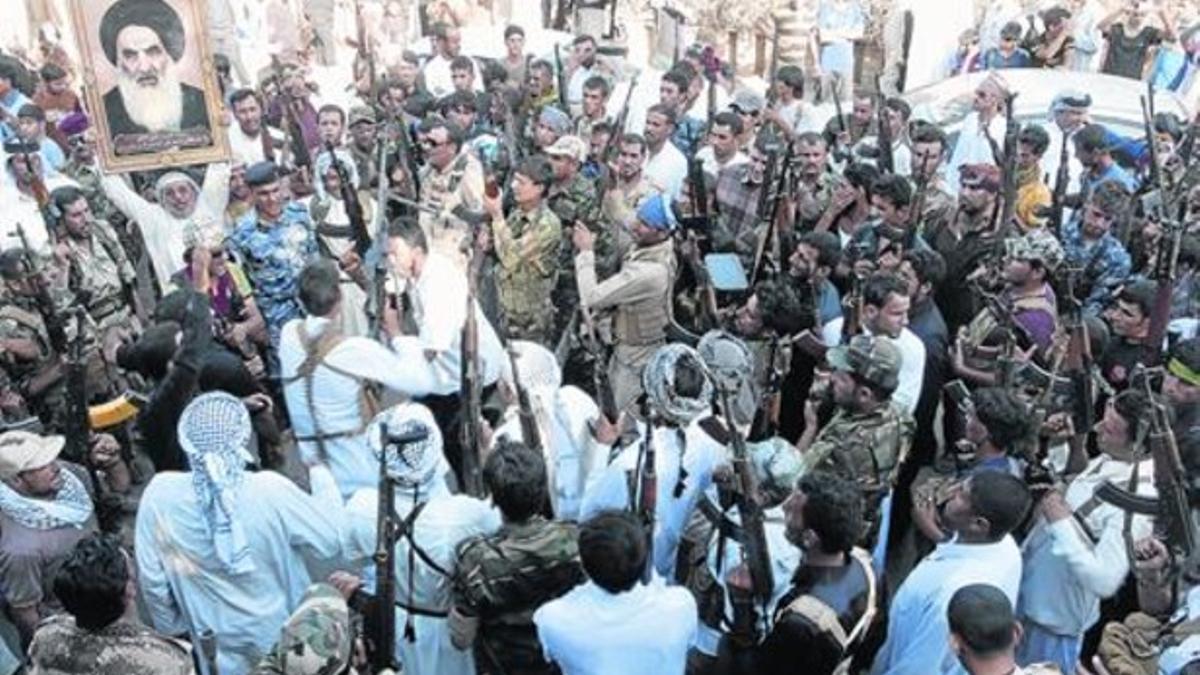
(475, 377)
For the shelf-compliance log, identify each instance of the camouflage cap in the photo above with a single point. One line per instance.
(569, 146)
(316, 638)
(875, 359)
(1037, 245)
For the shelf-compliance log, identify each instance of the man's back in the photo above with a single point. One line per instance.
(181, 578)
(121, 648)
(646, 630)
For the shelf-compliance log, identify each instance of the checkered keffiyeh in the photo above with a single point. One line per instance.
(214, 431)
(658, 380)
(414, 466)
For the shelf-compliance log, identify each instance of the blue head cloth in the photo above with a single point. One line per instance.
(656, 213)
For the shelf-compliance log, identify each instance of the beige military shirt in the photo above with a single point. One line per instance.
(459, 184)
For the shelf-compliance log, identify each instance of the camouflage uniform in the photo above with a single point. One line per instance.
(503, 578)
(317, 639)
(20, 320)
(1105, 264)
(814, 202)
(460, 184)
(527, 249)
(121, 648)
(273, 255)
(88, 178)
(866, 447)
(571, 202)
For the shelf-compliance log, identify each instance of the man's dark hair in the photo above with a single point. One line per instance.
(928, 133)
(612, 549)
(542, 65)
(880, 286)
(51, 72)
(1008, 421)
(665, 111)
(833, 509)
(454, 133)
(156, 15)
(1189, 251)
(409, 231)
(242, 94)
(516, 477)
(1092, 138)
(829, 248)
(537, 169)
(793, 77)
(320, 287)
(811, 138)
(64, 196)
(1035, 137)
(1112, 198)
(512, 30)
(1169, 123)
(901, 106)
(583, 39)
(1134, 407)
(781, 307)
(461, 62)
(896, 189)
(91, 583)
(597, 83)
(439, 30)
(333, 108)
(862, 176)
(689, 376)
(1001, 498)
(460, 99)
(731, 120)
(929, 265)
(677, 78)
(982, 617)
(1141, 294)
(601, 128)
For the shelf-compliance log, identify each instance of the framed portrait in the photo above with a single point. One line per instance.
(149, 82)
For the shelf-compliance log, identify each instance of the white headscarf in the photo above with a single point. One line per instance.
(414, 466)
(322, 165)
(214, 432)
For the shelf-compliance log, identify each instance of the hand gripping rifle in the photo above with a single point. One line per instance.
(561, 80)
(1012, 131)
(622, 118)
(291, 124)
(55, 325)
(775, 186)
(645, 488)
(887, 161)
(1062, 179)
(354, 208)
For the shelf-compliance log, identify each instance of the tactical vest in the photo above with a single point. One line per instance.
(983, 329)
(825, 618)
(644, 323)
(315, 351)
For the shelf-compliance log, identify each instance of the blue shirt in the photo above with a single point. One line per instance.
(11, 102)
(53, 157)
(994, 59)
(273, 255)
(1105, 262)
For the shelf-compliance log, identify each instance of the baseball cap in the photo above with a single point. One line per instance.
(23, 451)
(1037, 245)
(875, 359)
(569, 146)
(361, 113)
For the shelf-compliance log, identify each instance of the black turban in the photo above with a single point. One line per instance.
(156, 15)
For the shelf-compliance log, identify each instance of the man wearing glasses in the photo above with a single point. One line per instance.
(451, 190)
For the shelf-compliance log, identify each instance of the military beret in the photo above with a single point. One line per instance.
(262, 173)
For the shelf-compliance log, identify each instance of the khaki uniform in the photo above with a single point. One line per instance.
(459, 184)
(22, 322)
(527, 248)
(867, 448)
(104, 271)
(640, 294)
(618, 207)
(121, 648)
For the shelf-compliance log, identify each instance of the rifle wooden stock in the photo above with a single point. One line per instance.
(354, 208)
(529, 428)
(471, 388)
(384, 624)
(750, 512)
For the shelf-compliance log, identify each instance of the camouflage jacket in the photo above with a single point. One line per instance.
(60, 647)
(864, 447)
(527, 249)
(578, 200)
(503, 578)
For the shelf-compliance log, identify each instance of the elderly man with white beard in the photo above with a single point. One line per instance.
(144, 40)
(182, 207)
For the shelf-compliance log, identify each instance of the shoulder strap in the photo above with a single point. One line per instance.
(826, 619)
(405, 529)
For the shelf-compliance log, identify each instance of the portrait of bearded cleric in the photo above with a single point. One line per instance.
(149, 77)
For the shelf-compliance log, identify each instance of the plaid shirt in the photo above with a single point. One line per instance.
(736, 229)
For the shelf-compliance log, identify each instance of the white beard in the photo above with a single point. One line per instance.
(157, 108)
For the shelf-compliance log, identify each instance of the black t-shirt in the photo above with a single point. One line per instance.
(1127, 53)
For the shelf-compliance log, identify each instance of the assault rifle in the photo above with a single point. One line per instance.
(471, 389)
(377, 299)
(886, 161)
(1165, 271)
(76, 431)
(839, 152)
(354, 208)
(293, 132)
(1155, 196)
(750, 513)
(766, 418)
(1079, 367)
(852, 309)
(1011, 132)
(1062, 179)
(645, 488)
(55, 326)
(381, 608)
(619, 124)
(561, 80)
(773, 193)
(364, 54)
(529, 428)
(1171, 509)
(591, 344)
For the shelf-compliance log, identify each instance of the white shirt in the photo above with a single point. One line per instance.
(918, 630)
(710, 164)
(1053, 155)
(1066, 575)
(644, 631)
(973, 146)
(163, 232)
(248, 149)
(438, 79)
(22, 209)
(668, 168)
(912, 362)
(439, 302)
(562, 416)
(698, 455)
(288, 532)
(336, 397)
(800, 117)
(445, 522)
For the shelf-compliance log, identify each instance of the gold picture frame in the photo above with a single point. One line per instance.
(156, 54)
